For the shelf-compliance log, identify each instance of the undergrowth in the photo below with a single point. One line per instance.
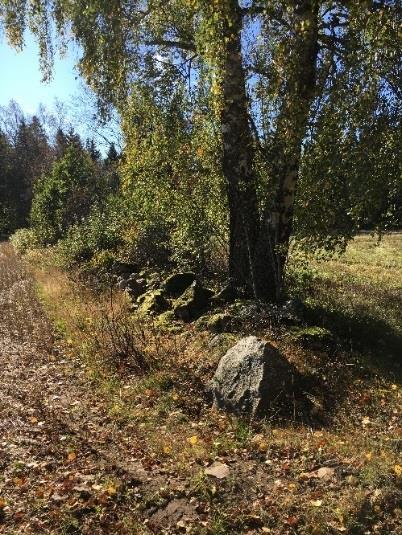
(153, 384)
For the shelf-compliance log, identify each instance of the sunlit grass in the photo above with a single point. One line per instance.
(165, 412)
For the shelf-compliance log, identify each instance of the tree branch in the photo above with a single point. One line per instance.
(171, 44)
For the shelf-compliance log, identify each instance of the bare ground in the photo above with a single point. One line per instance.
(62, 460)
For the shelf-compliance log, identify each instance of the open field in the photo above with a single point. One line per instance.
(330, 463)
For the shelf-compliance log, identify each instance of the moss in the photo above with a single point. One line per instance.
(313, 337)
(167, 322)
(153, 302)
(192, 303)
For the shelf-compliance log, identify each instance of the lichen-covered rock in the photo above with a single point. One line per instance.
(153, 302)
(192, 303)
(121, 283)
(226, 295)
(249, 377)
(136, 286)
(218, 323)
(153, 280)
(177, 283)
(167, 322)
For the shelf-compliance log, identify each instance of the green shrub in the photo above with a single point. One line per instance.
(24, 240)
(101, 231)
(64, 196)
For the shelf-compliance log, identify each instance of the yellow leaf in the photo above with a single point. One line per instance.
(71, 456)
(175, 397)
(394, 387)
(111, 490)
(259, 442)
(193, 440)
(398, 470)
(369, 456)
(167, 450)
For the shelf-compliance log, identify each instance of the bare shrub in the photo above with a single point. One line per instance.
(120, 342)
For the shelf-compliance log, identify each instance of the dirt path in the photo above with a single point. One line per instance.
(65, 468)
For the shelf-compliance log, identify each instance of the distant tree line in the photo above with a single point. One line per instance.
(30, 158)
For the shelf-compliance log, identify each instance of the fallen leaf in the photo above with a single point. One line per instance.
(3, 503)
(316, 503)
(325, 473)
(259, 442)
(71, 456)
(218, 470)
(167, 450)
(398, 470)
(193, 440)
(292, 521)
(111, 490)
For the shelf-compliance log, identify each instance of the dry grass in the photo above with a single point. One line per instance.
(352, 428)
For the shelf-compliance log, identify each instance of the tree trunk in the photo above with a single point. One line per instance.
(291, 130)
(238, 154)
(259, 243)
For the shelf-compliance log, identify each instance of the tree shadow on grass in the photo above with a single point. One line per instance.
(379, 345)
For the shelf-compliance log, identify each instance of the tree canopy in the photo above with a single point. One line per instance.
(279, 118)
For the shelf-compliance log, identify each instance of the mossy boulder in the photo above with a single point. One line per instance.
(167, 322)
(217, 323)
(153, 302)
(177, 283)
(193, 303)
(228, 294)
(136, 286)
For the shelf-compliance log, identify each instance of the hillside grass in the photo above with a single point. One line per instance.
(349, 421)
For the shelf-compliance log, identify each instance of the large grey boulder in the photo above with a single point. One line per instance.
(249, 377)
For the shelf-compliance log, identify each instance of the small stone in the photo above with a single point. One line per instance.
(218, 470)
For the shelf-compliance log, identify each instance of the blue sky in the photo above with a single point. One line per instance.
(21, 77)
